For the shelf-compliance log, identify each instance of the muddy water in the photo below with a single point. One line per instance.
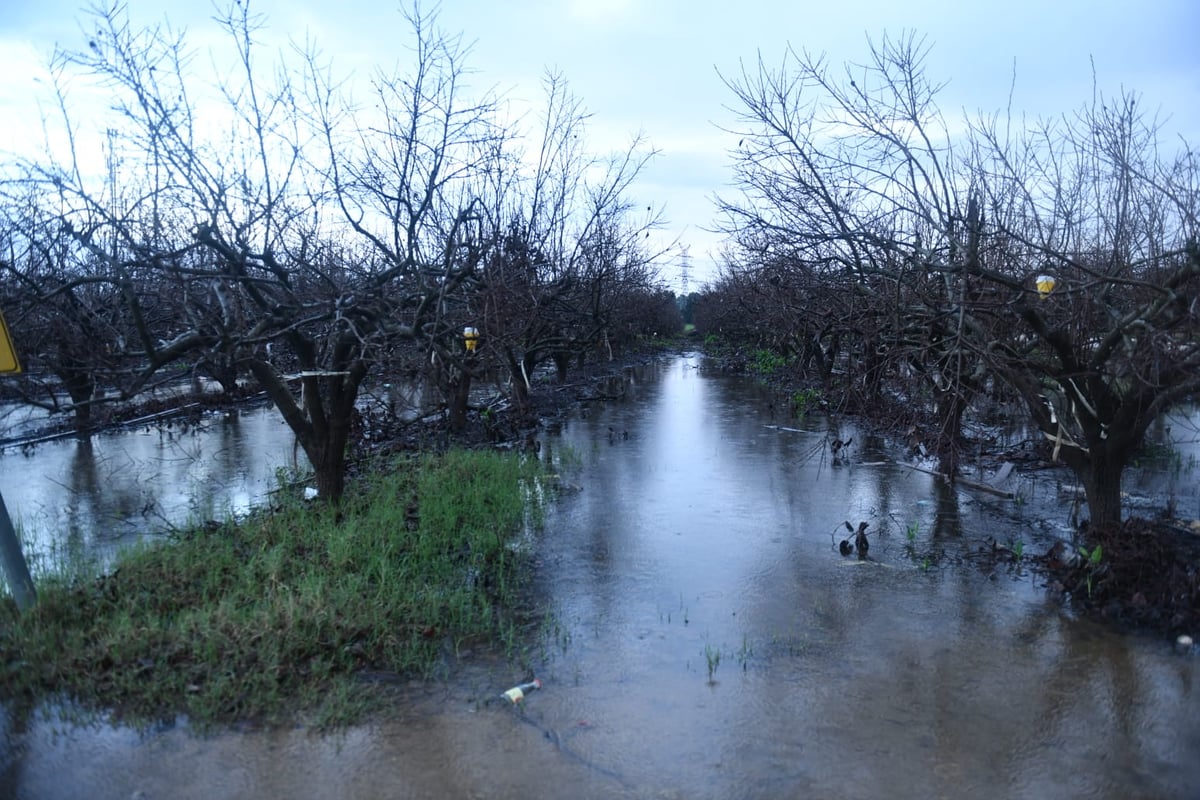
(710, 642)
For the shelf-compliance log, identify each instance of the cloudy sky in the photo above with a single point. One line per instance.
(653, 66)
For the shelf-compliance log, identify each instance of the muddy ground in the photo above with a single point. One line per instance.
(1146, 575)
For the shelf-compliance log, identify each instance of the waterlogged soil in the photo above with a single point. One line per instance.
(705, 638)
(1146, 575)
(1151, 574)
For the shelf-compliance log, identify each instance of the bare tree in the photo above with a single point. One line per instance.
(66, 318)
(1091, 203)
(289, 231)
(850, 193)
(939, 236)
(266, 220)
(567, 245)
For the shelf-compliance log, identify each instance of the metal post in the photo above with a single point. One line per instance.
(15, 568)
(11, 557)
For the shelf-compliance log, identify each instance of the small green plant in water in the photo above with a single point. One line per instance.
(767, 362)
(804, 400)
(910, 532)
(712, 655)
(1093, 558)
(746, 653)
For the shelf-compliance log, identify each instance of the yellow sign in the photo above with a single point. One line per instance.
(8, 354)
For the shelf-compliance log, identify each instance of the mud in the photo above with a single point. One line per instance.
(1140, 574)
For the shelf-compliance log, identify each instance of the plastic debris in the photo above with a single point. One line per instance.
(518, 692)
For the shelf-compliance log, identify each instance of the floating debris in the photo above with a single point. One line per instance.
(518, 692)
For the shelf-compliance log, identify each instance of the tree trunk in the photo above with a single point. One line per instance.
(327, 452)
(871, 377)
(329, 466)
(562, 361)
(950, 408)
(321, 419)
(520, 389)
(81, 388)
(224, 371)
(460, 393)
(1102, 486)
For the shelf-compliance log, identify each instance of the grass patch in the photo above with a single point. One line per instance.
(767, 362)
(275, 619)
(805, 400)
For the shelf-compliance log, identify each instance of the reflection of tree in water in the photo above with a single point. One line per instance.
(105, 494)
(217, 477)
(1100, 678)
(83, 484)
(946, 520)
(232, 453)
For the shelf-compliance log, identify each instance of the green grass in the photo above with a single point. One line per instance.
(804, 400)
(712, 658)
(767, 362)
(275, 620)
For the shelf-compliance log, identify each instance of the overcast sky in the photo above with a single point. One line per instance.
(652, 66)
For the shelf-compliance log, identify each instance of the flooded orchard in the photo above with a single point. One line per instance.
(88, 497)
(708, 640)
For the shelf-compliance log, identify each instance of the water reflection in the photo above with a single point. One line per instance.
(710, 642)
(87, 497)
(835, 677)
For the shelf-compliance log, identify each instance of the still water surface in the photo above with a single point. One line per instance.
(91, 496)
(712, 643)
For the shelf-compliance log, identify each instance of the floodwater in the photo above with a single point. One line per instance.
(708, 641)
(74, 497)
